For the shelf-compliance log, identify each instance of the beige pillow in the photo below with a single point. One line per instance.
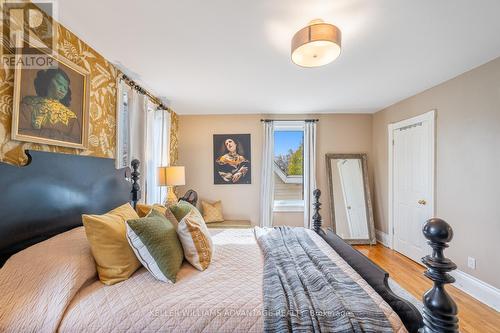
(195, 239)
(212, 212)
(106, 234)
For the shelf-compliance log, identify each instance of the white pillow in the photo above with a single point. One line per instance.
(195, 239)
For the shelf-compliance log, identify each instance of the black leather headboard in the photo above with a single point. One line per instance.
(49, 195)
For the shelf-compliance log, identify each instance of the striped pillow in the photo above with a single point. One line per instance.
(196, 240)
(156, 245)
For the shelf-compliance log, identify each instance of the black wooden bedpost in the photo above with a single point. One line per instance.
(136, 189)
(440, 311)
(317, 206)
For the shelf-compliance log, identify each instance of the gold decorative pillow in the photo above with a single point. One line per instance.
(212, 212)
(195, 239)
(106, 234)
(143, 210)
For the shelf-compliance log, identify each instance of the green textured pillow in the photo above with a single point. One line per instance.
(181, 209)
(156, 244)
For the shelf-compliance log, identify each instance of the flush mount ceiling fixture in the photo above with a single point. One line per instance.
(316, 45)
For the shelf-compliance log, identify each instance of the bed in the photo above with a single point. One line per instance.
(41, 212)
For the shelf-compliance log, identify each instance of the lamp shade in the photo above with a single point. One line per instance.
(316, 45)
(171, 176)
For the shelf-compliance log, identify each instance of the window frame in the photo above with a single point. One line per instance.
(284, 206)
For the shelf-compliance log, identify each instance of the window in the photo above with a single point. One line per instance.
(288, 167)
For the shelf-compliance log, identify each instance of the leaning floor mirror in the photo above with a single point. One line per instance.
(350, 201)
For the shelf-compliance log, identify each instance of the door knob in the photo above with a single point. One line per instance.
(422, 202)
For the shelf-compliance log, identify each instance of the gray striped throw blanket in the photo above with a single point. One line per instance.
(305, 291)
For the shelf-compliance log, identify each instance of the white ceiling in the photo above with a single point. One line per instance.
(232, 56)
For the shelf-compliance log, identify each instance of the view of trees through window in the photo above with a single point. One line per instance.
(291, 162)
(288, 159)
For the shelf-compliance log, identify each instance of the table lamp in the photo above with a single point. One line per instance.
(171, 176)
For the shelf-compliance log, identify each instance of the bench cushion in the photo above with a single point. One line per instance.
(230, 224)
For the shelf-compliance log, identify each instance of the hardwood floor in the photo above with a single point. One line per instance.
(473, 315)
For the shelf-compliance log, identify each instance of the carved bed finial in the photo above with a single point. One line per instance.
(440, 311)
(317, 206)
(136, 189)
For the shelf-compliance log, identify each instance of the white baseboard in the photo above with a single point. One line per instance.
(472, 286)
(478, 289)
(382, 238)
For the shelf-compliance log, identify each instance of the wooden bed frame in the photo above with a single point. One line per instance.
(48, 196)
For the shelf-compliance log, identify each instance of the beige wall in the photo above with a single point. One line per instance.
(467, 163)
(337, 133)
(196, 153)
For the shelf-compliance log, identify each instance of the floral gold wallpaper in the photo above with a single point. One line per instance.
(174, 138)
(102, 103)
(102, 113)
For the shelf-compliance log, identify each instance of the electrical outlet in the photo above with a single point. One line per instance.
(471, 262)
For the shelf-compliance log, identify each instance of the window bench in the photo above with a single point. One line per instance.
(230, 224)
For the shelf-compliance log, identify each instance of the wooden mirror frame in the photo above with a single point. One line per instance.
(368, 200)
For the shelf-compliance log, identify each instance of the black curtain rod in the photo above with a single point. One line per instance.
(306, 120)
(143, 91)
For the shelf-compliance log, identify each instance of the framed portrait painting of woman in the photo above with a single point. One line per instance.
(232, 159)
(51, 103)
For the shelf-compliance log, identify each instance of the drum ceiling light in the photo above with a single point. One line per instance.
(316, 45)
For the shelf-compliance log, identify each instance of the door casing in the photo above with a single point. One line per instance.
(428, 116)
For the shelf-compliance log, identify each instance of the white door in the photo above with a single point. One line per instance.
(351, 180)
(413, 183)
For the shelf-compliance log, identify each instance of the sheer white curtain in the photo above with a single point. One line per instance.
(137, 106)
(267, 183)
(157, 152)
(122, 126)
(143, 133)
(309, 170)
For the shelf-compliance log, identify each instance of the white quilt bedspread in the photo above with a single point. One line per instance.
(207, 301)
(37, 284)
(227, 297)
